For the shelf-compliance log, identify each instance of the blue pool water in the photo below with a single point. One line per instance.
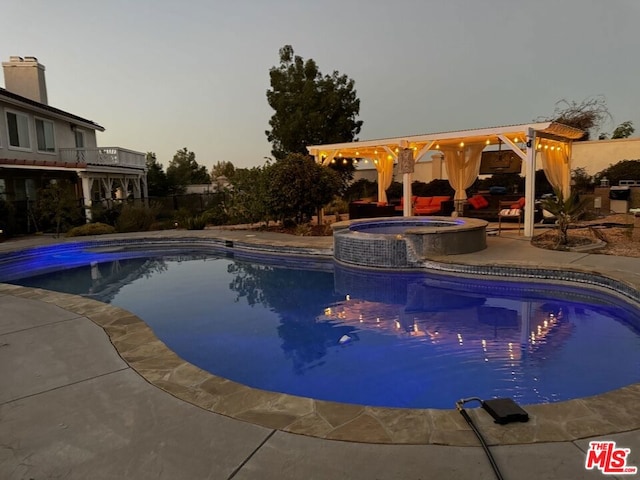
(394, 227)
(398, 340)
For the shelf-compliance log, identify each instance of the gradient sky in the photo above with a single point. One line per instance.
(161, 75)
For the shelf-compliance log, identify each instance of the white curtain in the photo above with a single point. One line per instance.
(463, 167)
(384, 166)
(556, 165)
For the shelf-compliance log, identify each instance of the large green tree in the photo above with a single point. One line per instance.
(157, 182)
(310, 108)
(299, 187)
(183, 170)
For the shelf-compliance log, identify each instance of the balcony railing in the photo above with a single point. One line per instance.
(104, 156)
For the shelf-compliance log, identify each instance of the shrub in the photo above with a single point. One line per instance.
(435, 187)
(57, 208)
(7, 218)
(135, 219)
(302, 230)
(197, 222)
(567, 211)
(91, 229)
(623, 170)
(362, 188)
(108, 215)
(336, 207)
(395, 190)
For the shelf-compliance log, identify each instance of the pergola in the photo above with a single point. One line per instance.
(462, 151)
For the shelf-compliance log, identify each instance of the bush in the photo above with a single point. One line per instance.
(336, 207)
(198, 222)
(7, 218)
(108, 215)
(362, 188)
(303, 230)
(135, 219)
(91, 229)
(395, 191)
(623, 170)
(433, 188)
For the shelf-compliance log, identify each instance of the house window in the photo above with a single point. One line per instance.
(45, 136)
(18, 127)
(79, 139)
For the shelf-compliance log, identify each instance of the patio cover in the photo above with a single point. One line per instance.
(462, 151)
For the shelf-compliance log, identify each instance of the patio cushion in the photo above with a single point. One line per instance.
(423, 201)
(478, 202)
(510, 212)
(437, 200)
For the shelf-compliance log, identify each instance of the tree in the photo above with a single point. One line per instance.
(58, 207)
(624, 130)
(623, 170)
(223, 169)
(157, 181)
(581, 181)
(310, 108)
(588, 115)
(183, 170)
(298, 187)
(248, 196)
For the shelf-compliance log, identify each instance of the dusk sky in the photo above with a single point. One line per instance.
(161, 75)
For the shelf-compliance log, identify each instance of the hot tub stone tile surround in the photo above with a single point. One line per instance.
(612, 412)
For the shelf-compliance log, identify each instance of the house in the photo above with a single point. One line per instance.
(41, 144)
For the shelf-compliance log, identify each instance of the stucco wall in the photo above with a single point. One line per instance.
(64, 136)
(597, 155)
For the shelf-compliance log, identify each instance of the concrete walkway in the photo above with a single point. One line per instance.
(72, 408)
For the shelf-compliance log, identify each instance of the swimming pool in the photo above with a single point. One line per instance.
(403, 340)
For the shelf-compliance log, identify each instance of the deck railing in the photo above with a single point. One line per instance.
(105, 156)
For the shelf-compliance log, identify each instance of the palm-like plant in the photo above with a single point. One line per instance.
(566, 210)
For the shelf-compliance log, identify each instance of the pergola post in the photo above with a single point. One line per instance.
(406, 194)
(530, 183)
(87, 183)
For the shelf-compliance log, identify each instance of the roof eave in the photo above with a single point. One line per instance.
(52, 112)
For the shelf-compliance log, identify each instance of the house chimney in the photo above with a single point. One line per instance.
(25, 76)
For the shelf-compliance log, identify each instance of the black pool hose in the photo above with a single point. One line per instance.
(460, 406)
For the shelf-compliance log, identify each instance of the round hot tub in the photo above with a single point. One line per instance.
(405, 242)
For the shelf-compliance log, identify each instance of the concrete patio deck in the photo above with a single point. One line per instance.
(72, 406)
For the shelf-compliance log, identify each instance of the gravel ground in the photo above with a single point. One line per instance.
(620, 232)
